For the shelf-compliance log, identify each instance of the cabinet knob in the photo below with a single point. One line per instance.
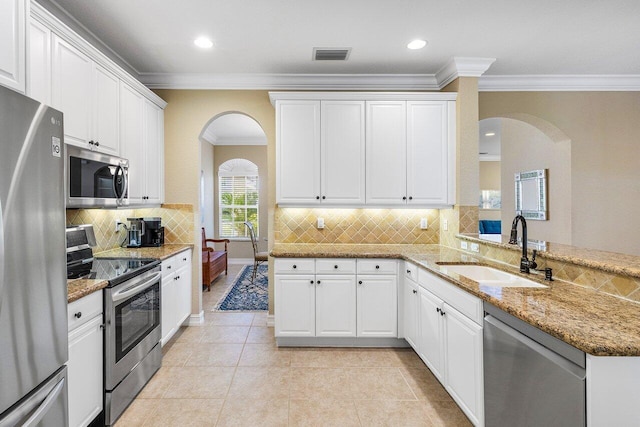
(410, 198)
(360, 282)
(377, 267)
(295, 266)
(97, 144)
(442, 313)
(184, 259)
(78, 315)
(318, 282)
(335, 266)
(404, 197)
(324, 197)
(408, 271)
(317, 197)
(311, 281)
(438, 309)
(168, 267)
(92, 142)
(415, 292)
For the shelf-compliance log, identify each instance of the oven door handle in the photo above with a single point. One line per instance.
(132, 290)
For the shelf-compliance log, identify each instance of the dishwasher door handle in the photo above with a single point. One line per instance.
(556, 359)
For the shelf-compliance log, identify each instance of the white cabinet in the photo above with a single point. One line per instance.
(39, 62)
(87, 94)
(153, 152)
(175, 295)
(342, 153)
(85, 359)
(450, 341)
(12, 43)
(409, 314)
(320, 298)
(298, 152)
(386, 152)
(131, 136)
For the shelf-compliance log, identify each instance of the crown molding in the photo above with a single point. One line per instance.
(560, 83)
(462, 67)
(291, 81)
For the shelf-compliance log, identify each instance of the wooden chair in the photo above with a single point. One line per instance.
(258, 257)
(213, 262)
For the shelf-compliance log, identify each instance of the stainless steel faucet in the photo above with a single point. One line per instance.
(525, 263)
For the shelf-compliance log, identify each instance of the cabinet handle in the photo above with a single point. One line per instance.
(360, 282)
(438, 309)
(442, 313)
(404, 197)
(78, 315)
(295, 266)
(103, 326)
(335, 266)
(377, 267)
(317, 197)
(415, 292)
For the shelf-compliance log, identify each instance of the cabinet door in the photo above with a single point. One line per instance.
(106, 106)
(85, 372)
(342, 152)
(463, 353)
(295, 304)
(12, 43)
(39, 62)
(431, 349)
(72, 75)
(154, 152)
(168, 307)
(298, 152)
(386, 142)
(410, 316)
(427, 153)
(377, 304)
(335, 306)
(131, 139)
(183, 295)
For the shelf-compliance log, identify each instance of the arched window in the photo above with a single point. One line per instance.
(238, 197)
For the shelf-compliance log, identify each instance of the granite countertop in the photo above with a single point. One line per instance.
(78, 288)
(592, 321)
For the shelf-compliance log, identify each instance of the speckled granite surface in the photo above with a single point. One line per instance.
(79, 288)
(597, 323)
(161, 253)
(602, 260)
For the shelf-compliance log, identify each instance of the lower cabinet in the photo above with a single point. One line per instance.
(330, 298)
(84, 368)
(175, 294)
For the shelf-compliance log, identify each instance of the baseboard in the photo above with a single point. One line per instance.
(242, 261)
(271, 320)
(196, 319)
(340, 342)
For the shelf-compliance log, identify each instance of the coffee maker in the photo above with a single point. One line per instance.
(135, 233)
(154, 232)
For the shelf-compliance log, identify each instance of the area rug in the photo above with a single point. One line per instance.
(244, 295)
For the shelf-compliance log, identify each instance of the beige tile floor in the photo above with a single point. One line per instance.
(229, 372)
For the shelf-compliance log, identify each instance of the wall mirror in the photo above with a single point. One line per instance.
(531, 194)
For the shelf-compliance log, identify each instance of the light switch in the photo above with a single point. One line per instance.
(445, 225)
(423, 223)
(320, 223)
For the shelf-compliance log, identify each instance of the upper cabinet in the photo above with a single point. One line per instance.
(12, 43)
(365, 149)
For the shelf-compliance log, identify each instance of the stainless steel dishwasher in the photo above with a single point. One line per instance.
(530, 377)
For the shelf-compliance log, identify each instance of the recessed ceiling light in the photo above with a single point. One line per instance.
(203, 42)
(417, 44)
(489, 134)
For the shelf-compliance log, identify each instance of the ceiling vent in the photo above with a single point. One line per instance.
(331, 53)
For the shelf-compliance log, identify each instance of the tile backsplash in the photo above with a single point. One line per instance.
(177, 220)
(398, 226)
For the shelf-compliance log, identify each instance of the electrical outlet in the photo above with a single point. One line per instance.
(445, 225)
(463, 245)
(475, 247)
(423, 223)
(320, 223)
(118, 223)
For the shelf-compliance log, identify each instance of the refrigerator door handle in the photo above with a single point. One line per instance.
(37, 413)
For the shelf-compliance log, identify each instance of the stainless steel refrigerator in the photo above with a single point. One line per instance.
(33, 281)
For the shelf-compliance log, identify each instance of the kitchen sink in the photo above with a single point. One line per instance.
(489, 276)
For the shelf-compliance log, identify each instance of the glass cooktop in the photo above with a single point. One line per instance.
(115, 270)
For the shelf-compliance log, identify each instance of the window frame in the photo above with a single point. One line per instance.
(221, 206)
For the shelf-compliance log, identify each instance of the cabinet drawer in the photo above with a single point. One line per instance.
(182, 259)
(377, 266)
(335, 266)
(168, 266)
(86, 308)
(462, 301)
(411, 271)
(294, 266)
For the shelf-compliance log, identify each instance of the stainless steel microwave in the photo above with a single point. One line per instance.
(95, 180)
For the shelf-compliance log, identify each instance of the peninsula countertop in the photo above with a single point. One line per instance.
(592, 321)
(78, 288)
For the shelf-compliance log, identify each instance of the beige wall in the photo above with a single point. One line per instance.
(207, 210)
(258, 155)
(604, 129)
(188, 112)
(490, 176)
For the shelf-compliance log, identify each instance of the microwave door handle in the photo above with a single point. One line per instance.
(126, 293)
(120, 196)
